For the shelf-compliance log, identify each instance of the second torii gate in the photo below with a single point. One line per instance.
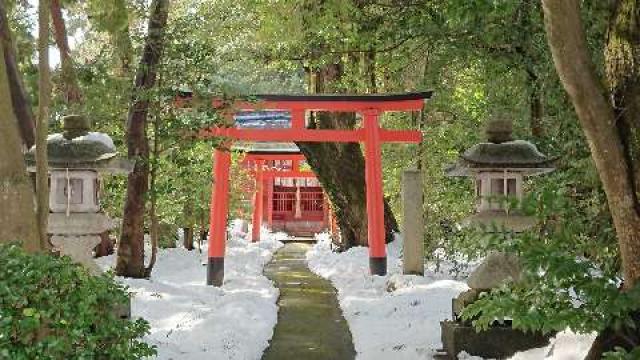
(370, 134)
(268, 166)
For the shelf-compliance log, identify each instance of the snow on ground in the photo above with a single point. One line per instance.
(190, 320)
(399, 324)
(398, 316)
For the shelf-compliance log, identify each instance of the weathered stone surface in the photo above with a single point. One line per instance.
(413, 223)
(497, 342)
(497, 269)
(78, 248)
(79, 223)
(464, 299)
(511, 222)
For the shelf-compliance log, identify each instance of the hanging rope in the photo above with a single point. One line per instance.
(68, 193)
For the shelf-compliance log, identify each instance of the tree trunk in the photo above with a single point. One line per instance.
(121, 40)
(340, 168)
(535, 104)
(44, 98)
(105, 248)
(571, 57)
(154, 233)
(72, 92)
(622, 69)
(187, 230)
(188, 238)
(20, 100)
(131, 248)
(18, 218)
(598, 119)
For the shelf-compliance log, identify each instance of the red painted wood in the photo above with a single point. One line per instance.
(259, 156)
(285, 135)
(309, 135)
(371, 135)
(288, 174)
(298, 119)
(219, 204)
(373, 178)
(258, 203)
(270, 203)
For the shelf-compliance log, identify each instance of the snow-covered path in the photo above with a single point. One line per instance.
(390, 317)
(190, 320)
(398, 316)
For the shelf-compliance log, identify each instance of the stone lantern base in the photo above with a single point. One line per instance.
(498, 342)
(78, 248)
(77, 235)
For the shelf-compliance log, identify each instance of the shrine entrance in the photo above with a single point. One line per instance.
(370, 107)
(285, 196)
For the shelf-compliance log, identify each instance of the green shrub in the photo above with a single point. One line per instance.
(51, 308)
(571, 278)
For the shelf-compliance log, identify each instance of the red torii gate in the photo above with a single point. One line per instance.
(263, 173)
(371, 135)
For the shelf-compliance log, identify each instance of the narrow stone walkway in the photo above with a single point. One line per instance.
(310, 324)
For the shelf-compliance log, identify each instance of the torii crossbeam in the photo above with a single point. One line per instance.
(370, 135)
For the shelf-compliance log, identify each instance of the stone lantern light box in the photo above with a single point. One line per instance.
(77, 159)
(498, 167)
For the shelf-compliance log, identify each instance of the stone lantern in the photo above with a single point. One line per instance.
(77, 160)
(498, 168)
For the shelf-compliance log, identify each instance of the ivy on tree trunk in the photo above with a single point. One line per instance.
(130, 260)
(601, 123)
(17, 218)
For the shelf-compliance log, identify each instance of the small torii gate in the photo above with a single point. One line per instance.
(264, 176)
(370, 134)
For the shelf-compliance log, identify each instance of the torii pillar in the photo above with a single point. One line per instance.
(375, 201)
(258, 202)
(218, 219)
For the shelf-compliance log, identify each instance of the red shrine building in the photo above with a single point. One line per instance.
(286, 196)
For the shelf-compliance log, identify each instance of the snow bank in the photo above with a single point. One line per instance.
(390, 317)
(190, 320)
(398, 316)
(90, 136)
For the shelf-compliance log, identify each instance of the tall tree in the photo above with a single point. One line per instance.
(72, 92)
(131, 247)
(18, 217)
(20, 100)
(341, 167)
(606, 125)
(44, 98)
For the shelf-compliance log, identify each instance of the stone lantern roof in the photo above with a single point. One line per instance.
(501, 152)
(78, 148)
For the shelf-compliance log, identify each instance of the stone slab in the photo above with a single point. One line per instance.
(413, 223)
(79, 223)
(497, 342)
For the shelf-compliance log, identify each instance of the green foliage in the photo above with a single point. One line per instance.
(565, 283)
(622, 354)
(51, 308)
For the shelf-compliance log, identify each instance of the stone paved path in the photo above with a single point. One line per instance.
(310, 323)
